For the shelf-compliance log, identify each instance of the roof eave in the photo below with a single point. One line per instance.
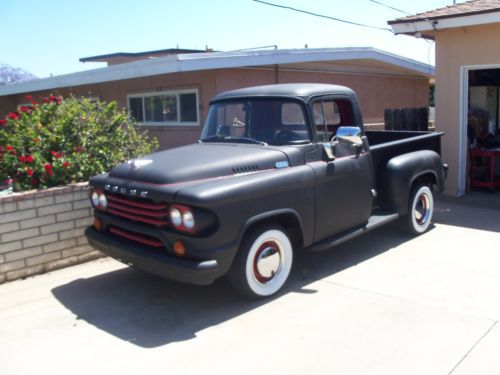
(422, 25)
(209, 61)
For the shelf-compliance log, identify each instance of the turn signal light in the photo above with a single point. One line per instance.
(179, 249)
(97, 224)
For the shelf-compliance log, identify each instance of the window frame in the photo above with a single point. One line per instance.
(336, 98)
(177, 94)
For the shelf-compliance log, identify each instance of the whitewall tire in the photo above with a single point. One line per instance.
(263, 263)
(420, 210)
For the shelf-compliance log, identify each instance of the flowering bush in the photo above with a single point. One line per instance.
(56, 141)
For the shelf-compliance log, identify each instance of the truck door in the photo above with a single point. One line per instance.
(343, 185)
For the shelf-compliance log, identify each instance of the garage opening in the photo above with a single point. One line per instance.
(483, 130)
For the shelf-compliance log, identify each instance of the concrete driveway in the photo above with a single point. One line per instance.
(380, 304)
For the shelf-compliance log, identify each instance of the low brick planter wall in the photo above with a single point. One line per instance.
(41, 231)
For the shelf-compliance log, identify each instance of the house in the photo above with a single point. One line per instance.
(169, 91)
(467, 77)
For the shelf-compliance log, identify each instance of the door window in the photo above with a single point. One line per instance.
(329, 115)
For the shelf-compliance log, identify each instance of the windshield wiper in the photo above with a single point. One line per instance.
(221, 138)
(213, 138)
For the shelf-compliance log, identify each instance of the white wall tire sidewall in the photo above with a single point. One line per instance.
(416, 226)
(286, 255)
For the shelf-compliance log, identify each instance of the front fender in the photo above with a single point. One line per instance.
(241, 201)
(400, 174)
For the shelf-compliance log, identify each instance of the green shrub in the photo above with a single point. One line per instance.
(56, 141)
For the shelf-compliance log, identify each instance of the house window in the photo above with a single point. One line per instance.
(165, 107)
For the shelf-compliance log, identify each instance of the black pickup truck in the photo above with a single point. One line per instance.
(278, 169)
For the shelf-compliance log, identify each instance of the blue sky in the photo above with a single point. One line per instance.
(48, 37)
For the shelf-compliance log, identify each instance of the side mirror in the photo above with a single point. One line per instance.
(350, 135)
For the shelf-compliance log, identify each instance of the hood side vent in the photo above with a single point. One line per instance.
(246, 169)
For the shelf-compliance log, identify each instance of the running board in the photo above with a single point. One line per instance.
(374, 222)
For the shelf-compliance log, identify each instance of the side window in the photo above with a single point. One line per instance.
(329, 115)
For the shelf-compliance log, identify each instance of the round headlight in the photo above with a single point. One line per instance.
(95, 199)
(175, 217)
(103, 201)
(188, 220)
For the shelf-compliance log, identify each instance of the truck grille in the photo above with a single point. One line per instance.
(136, 237)
(136, 209)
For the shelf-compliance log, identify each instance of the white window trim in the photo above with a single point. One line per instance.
(177, 93)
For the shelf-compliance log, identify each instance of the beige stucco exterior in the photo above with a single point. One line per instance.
(457, 50)
(375, 91)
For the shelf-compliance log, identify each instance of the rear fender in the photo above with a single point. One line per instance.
(402, 172)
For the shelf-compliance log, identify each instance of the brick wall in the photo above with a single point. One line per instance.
(42, 231)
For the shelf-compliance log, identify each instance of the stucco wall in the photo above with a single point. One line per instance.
(376, 92)
(455, 48)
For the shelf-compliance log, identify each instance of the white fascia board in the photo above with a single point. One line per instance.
(214, 60)
(445, 23)
(107, 74)
(281, 57)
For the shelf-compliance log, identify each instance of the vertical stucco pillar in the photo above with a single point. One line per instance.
(457, 50)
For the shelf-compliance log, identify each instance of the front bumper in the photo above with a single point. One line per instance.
(199, 272)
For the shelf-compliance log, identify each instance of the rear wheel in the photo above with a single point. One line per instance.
(263, 262)
(420, 210)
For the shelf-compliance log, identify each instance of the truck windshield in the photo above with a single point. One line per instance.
(260, 121)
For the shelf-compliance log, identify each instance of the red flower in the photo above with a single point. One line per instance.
(34, 102)
(26, 159)
(34, 181)
(13, 115)
(25, 109)
(29, 97)
(66, 164)
(36, 140)
(3, 122)
(48, 169)
(9, 148)
(29, 172)
(46, 100)
(9, 181)
(56, 154)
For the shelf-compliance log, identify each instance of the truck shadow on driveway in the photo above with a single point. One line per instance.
(150, 312)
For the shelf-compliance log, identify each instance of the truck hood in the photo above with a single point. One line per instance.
(200, 161)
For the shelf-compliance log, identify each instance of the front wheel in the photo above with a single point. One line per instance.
(263, 263)
(420, 210)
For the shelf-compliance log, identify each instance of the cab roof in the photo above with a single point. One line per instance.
(304, 91)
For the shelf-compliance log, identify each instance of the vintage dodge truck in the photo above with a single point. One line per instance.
(278, 169)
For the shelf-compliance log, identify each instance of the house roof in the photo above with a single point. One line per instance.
(469, 13)
(146, 54)
(356, 59)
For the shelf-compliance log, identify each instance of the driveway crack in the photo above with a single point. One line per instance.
(473, 347)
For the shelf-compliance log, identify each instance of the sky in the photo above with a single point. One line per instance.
(49, 37)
